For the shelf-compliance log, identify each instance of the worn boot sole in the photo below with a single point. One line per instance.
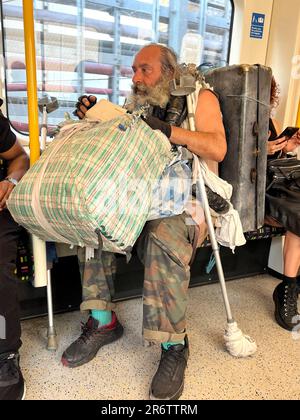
(67, 363)
(176, 396)
(277, 315)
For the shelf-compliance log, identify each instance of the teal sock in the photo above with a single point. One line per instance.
(103, 317)
(167, 344)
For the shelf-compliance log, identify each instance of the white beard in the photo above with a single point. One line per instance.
(158, 95)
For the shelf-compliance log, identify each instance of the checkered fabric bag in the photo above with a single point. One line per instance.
(93, 185)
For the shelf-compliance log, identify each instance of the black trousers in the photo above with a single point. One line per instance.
(10, 329)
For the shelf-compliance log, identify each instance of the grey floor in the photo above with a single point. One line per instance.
(123, 370)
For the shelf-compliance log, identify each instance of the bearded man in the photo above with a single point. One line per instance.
(165, 245)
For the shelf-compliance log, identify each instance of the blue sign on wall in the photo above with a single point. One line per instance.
(257, 25)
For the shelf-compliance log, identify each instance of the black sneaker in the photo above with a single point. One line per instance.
(168, 382)
(12, 386)
(90, 341)
(285, 298)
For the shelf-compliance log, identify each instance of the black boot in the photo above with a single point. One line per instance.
(298, 285)
(12, 385)
(91, 340)
(168, 382)
(285, 298)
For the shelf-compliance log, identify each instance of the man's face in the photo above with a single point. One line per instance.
(149, 84)
(147, 66)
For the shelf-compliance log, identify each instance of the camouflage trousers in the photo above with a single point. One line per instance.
(165, 247)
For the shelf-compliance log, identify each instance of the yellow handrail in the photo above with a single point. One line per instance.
(39, 246)
(30, 56)
(298, 116)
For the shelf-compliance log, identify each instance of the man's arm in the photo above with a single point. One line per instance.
(209, 141)
(18, 163)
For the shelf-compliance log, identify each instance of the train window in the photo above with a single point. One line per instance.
(87, 46)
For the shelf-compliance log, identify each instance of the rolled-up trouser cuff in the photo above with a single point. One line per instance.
(101, 305)
(162, 336)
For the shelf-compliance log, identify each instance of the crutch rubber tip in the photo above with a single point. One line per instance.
(52, 342)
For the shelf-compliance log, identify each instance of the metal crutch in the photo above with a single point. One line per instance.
(238, 344)
(47, 105)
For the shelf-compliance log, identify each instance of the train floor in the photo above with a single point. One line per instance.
(123, 370)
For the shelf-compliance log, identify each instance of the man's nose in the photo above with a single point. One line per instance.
(137, 77)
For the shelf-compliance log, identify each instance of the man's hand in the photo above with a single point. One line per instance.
(84, 103)
(6, 188)
(156, 124)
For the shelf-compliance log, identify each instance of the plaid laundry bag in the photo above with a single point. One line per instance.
(93, 185)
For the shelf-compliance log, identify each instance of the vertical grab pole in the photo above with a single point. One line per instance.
(298, 125)
(39, 246)
(30, 56)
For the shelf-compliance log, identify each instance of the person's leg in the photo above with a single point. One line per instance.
(102, 326)
(11, 380)
(9, 304)
(286, 293)
(291, 254)
(165, 248)
(97, 276)
(98, 286)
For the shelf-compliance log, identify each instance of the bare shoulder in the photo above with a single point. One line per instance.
(207, 97)
(208, 114)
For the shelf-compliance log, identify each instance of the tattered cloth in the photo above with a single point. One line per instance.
(93, 185)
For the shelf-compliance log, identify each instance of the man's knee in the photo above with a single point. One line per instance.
(172, 235)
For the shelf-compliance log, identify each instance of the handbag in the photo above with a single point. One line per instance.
(283, 171)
